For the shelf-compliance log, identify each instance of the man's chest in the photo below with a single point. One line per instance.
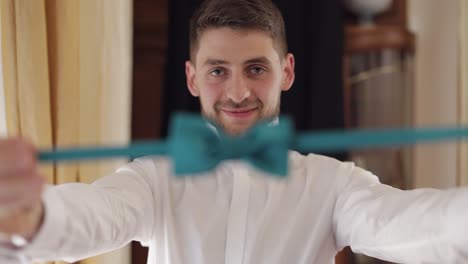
(241, 217)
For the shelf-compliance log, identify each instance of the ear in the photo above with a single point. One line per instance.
(288, 72)
(190, 75)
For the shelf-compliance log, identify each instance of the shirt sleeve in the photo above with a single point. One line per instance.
(83, 220)
(416, 226)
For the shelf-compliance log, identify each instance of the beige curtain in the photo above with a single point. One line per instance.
(463, 88)
(66, 68)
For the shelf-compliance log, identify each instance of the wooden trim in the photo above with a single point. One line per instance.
(363, 39)
(150, 27)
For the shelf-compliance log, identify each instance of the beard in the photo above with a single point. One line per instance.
(216, 119)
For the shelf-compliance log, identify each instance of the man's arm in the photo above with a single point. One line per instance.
(417, 226)
(81, 220)
(87, 220)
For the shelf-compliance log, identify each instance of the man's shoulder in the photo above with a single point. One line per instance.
(318, 168)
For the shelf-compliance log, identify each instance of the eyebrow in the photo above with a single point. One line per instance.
(262, 60)
(215, 62)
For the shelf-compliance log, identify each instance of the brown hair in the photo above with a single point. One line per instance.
(260, 15)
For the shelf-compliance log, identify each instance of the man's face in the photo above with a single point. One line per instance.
(238, 76)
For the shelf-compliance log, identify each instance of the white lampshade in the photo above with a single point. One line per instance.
(367, 9)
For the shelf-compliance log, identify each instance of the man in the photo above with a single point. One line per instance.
(238, 68)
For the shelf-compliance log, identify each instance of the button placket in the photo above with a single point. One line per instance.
(237, 223)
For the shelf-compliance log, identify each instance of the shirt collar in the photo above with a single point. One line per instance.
(273, 122)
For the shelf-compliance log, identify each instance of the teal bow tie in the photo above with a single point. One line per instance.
(195, 148)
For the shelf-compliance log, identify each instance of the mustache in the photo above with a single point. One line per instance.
(233, 105)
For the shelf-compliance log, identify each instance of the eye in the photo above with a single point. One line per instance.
(217, 72)
(256, 70)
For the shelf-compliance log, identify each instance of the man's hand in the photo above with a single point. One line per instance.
(21, 186)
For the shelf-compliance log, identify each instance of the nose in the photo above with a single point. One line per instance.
(237, 90)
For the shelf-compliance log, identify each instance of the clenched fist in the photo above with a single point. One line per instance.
(21, 186)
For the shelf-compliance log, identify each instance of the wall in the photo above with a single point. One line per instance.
(463, 98)
(435, 24)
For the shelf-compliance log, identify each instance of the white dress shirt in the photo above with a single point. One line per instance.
(237, 214)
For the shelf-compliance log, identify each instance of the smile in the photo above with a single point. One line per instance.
(239, 113)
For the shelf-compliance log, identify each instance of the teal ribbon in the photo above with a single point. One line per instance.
(134, 150)
(195, 148)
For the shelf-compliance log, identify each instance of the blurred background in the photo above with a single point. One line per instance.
(86, 72)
